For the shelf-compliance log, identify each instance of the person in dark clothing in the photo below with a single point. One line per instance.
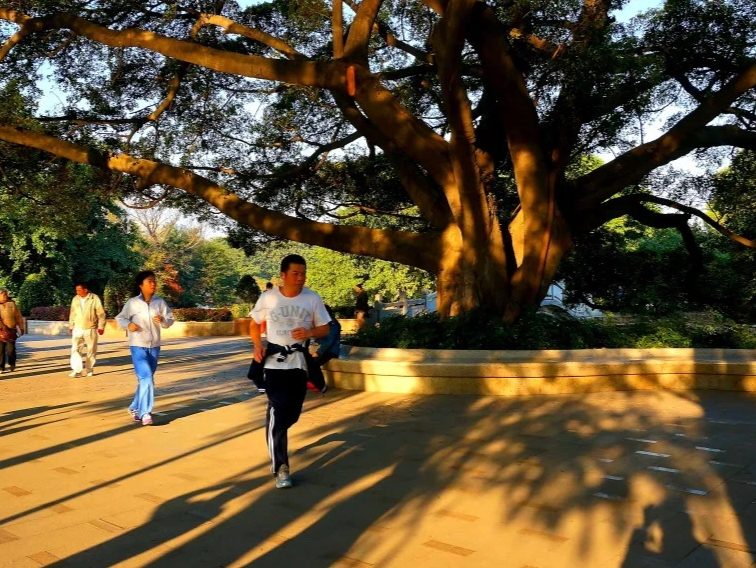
(330, 346)
(361, 306)
(11, 327)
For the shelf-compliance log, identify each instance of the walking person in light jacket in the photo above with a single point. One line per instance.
(143, 316)
(85, 322)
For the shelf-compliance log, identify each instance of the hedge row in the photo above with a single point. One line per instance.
(202, 314)
(50, 313)
(60, 313)
(481, 330)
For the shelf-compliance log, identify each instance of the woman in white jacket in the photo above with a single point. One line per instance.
(143, 316)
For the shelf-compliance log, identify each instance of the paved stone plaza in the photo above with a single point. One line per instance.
(624, 479)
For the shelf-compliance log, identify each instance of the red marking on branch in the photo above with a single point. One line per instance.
(351, 81)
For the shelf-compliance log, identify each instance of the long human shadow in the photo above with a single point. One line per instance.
(106, 363)
(230, 434)
(21, 418)
(708, 490)
(200, 367)
(232, 537)
(731, 427)
(23, 414)
(96, 408)
(541, 455)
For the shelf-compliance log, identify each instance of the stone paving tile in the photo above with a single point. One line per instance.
(601, 480)
(714, 556)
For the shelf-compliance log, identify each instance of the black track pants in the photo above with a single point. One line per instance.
(286, 389)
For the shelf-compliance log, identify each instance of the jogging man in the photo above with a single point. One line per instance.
(292, 314)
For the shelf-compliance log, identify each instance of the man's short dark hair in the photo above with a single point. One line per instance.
(359, 286)
(269, 286)
(292, 259)
(81, 283)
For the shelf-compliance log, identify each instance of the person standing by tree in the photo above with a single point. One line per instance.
(85, 322)
(11, 327)
(293, 314)
(361, 306)
(143, 316)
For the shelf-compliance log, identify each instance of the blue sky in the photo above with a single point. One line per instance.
(636, 6)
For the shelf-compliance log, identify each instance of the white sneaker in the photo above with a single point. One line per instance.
(73, 374)
(90, 373)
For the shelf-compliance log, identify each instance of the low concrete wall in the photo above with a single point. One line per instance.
(512, 373)
(178, 329)
(239, 326)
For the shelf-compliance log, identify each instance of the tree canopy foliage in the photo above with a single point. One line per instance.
(630, 268)
(463, 122)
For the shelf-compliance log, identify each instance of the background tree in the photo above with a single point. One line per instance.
(216, 268)
(627, 267)
(119, 289)
(472, 112)
(333, 274)
(37, 290)
(248, 290)
(167, 249)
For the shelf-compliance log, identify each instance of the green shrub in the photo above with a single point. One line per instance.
(241, 310)
(247, 289)
(117, 293)
(50, 313)
(202, 314)
(479, 329)
(37, 290)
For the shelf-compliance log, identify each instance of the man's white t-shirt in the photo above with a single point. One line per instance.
(283, 314)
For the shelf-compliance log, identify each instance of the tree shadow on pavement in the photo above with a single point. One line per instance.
(551, 481)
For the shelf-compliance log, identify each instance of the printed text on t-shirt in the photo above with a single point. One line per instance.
(291, 317)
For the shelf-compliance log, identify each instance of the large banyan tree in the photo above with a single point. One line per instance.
(466, 122)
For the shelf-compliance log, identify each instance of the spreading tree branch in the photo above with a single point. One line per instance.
(414, 70)
(382, 29)
(25, 30)
(328, 75)
(421, 250)
(635, 164)
(305, 166)
(231, 27)
(627, 204)
(337, 23)
(700, 96)
(360, 31)
(428, 198)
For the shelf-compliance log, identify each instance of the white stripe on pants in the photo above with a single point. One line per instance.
(271, 425)
(79, 356)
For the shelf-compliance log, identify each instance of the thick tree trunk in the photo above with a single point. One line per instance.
(463, 285)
